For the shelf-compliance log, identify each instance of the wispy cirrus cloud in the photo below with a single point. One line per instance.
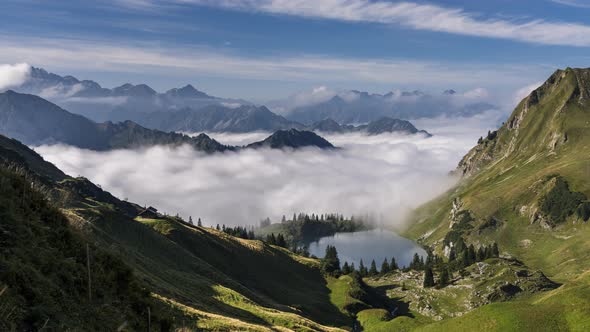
(417, 16)
(574, 3)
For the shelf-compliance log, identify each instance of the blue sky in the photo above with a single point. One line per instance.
(267, 49)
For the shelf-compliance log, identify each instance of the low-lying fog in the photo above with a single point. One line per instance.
(384, 176)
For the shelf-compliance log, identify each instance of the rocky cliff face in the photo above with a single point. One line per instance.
(547, 119)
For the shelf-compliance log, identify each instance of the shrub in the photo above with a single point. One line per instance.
(560, 203)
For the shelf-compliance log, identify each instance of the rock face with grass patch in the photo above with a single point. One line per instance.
(494, 280)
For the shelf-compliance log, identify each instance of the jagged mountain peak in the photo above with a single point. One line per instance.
(140, 90)
(187, 91)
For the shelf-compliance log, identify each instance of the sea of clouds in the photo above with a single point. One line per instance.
(383, 176)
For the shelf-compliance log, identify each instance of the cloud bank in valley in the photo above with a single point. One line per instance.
(384, 176)
(13, 75)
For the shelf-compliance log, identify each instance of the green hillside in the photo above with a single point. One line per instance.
(197, 277)
(526, 187)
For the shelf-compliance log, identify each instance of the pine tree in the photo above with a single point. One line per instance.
(270, 239)
(199, 223)
(345, 268)
(495, 250)
(452, 254)
(373, 269)
(218, 228)
(385, 267)
(444, 277)
(460, 245)
(415, 264)
(281, 241)
(393, 265)
(480, 254)
(352, 268)
(330, 264)
(488, 252)
(284, 220)
(465, 262)
(428, 277)
(362, 269)
(190, 220)
(472, 254)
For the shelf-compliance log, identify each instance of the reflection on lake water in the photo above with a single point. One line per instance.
(375, 244)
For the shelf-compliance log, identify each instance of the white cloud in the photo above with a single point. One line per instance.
(574, 3)
(72, 54)
(60, 91)
(420, 17)
(240, 139)
(477, 93)
(13, 75)
(385, 175)
(231, 105)
(304, 98)
(112, 101)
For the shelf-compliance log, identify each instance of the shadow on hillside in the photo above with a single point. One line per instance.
(397, 306)
(171, 270)
(218, 274)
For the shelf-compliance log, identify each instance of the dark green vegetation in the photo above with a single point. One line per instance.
(525, 188)
(349, 291)
(303, 229)
(330, 263)
(559, 202)
(50, 279)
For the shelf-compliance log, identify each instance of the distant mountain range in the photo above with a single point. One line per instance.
(88, 98)
(217, 118)
(380, 126)
(187, 109)
(361, 107)
(35, 121)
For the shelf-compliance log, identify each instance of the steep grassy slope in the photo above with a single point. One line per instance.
(524, 186)
(44, 271)
(198, 277)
